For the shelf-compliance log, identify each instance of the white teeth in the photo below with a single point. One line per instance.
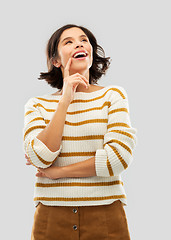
(80, 53)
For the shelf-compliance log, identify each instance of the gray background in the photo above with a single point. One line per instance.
(136, 35)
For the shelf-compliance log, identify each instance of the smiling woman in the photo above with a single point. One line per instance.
(80, 141)
(63, 41)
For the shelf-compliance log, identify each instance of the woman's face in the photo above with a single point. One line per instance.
(76, 40)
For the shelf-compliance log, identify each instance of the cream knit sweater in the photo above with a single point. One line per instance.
(97, 124)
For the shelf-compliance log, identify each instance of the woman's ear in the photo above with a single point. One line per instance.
(56, 63)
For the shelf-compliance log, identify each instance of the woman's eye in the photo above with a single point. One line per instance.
(71, 41)
(68, 42)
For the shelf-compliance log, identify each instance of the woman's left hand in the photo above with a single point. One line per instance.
(28, 161)
(52, 172)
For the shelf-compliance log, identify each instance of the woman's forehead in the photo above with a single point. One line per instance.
(72, 32)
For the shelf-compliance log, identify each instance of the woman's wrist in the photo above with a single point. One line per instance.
(64, 103)
(60, 172)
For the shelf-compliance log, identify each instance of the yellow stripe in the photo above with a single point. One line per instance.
(46, 121)
(40, 105)
(36, 119)
(47, 100)
(41, 159)
(93, 137)
(118, 110)
(87, 121)
(118, 124)
(109, 168)
(83, 122)
(90, 137)
(28, 112)
(79, 199)
(76, 154)
(107, 103)
(122, 132)
(120, 143)
(125, 165)
(119, 91)
(96, 98)
(78, 184)
(33, 128)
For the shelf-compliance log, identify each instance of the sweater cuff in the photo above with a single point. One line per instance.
(44, 151)
(101, 163)
(40, 155)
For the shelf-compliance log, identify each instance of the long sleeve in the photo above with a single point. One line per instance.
(39, 154)
(119, 140)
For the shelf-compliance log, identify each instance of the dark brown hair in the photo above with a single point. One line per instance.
(54, 75)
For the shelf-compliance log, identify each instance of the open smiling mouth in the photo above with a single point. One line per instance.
(80, 57)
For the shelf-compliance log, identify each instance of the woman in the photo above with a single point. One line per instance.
(80, 139)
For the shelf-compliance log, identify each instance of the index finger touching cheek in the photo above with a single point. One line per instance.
(67, 67)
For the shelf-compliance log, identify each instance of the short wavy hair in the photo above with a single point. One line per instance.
(54, 75)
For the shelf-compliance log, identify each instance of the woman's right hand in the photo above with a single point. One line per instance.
(70, 83)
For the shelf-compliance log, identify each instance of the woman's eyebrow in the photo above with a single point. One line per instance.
(72, 38)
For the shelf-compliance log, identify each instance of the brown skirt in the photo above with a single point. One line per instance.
(101, 222)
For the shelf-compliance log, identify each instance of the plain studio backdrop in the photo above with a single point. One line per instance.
(136, 35)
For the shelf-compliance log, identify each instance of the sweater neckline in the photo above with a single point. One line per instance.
(83, 93)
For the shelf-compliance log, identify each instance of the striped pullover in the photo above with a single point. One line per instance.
(96, 124)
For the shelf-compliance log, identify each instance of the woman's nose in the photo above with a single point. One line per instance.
(79, 45)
